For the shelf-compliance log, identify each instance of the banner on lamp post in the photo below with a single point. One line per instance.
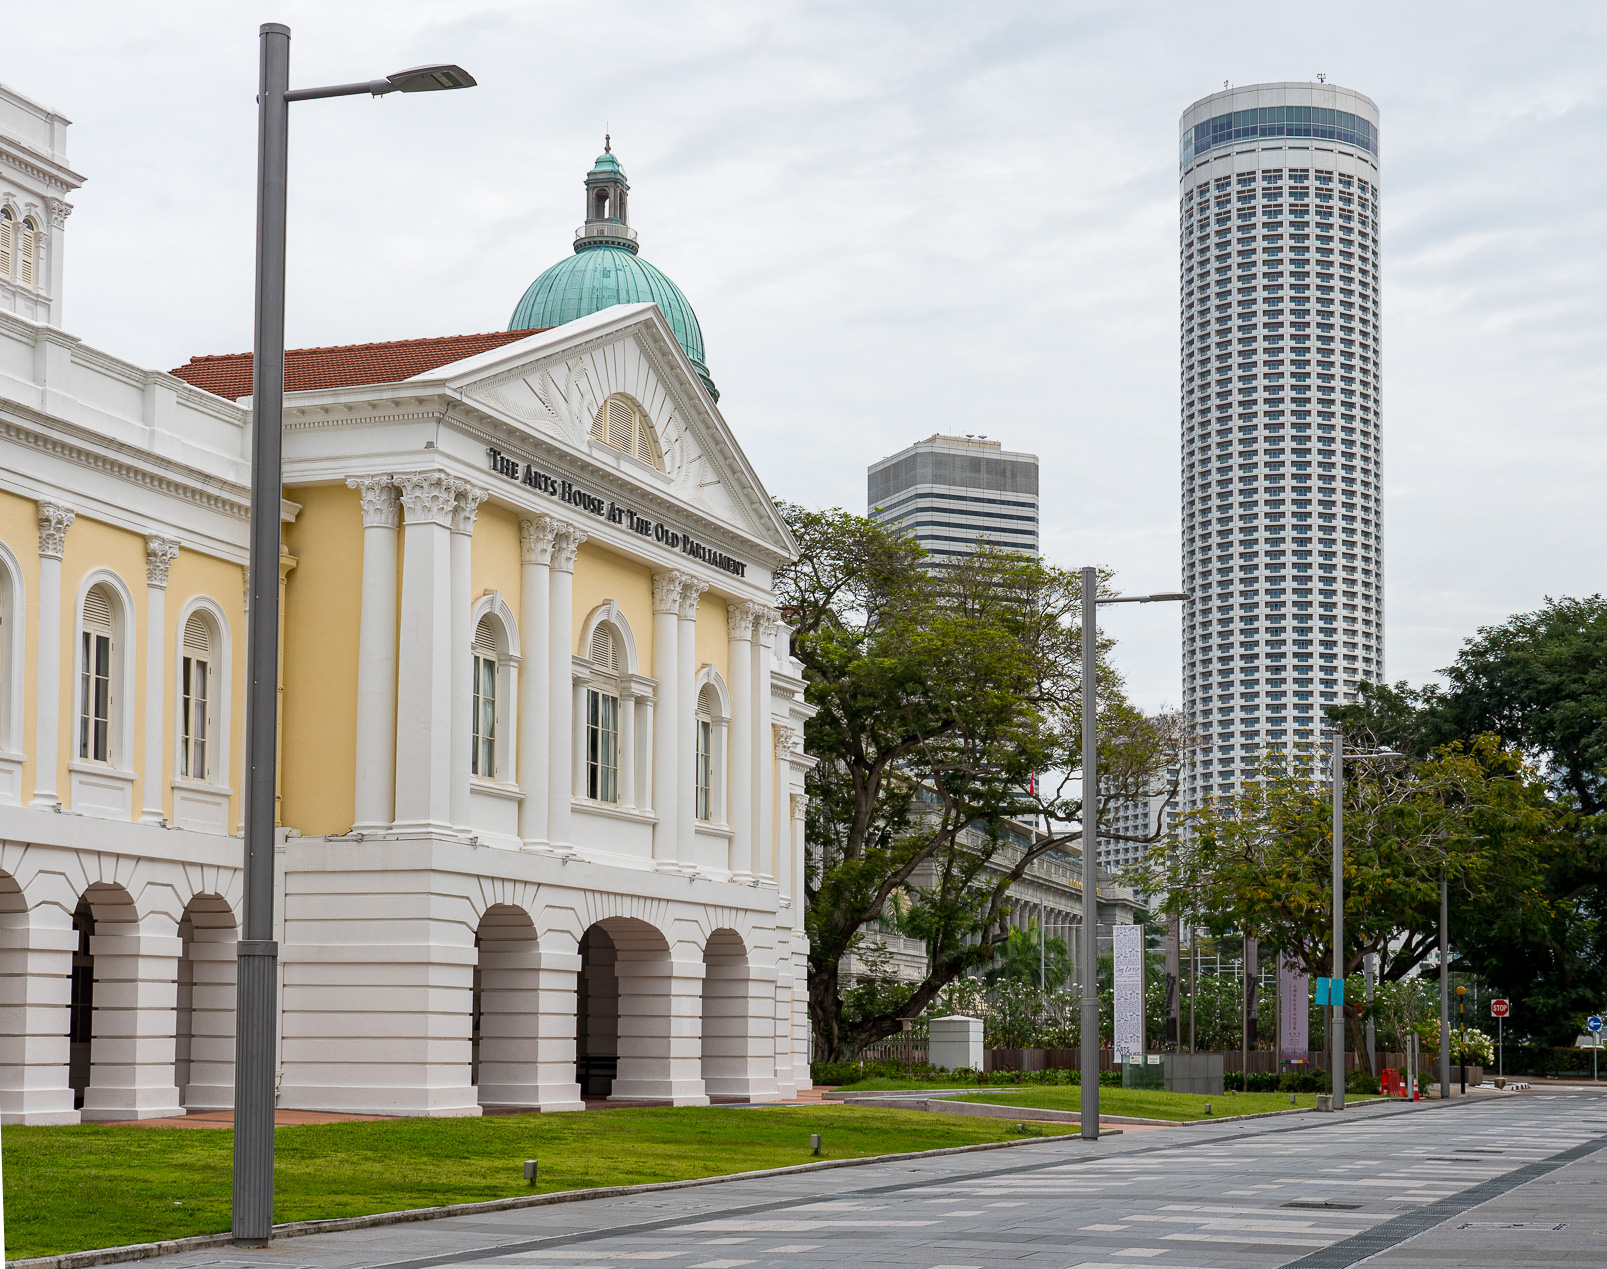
(1294, 999)
(1127, 955)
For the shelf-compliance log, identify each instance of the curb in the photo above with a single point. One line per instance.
(339, 1224)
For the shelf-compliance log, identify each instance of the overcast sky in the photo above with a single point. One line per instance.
(899, 218)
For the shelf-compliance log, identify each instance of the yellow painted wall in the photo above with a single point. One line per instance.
(92, 545)
(713, 635)
(601, 575)
(494, 556)
(223, 582)
(323, 606)
(19, 530)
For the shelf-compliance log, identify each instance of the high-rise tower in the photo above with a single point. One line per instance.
(1280, 352)
(951, 492)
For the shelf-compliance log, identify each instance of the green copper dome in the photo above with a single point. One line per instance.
(606, 270)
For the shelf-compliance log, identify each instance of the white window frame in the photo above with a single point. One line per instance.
(644, 433)
(633, 749)
(709, 684)
(505, 725)
(221, 682)
(122, 663)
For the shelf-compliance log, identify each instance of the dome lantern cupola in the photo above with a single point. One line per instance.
(606, 269)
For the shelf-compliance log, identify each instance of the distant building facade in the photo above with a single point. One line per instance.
(951, 492)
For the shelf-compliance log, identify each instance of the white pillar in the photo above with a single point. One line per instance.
(644, 752)
(535, 604)
(686, 727)
(54, 521)
(627, 742)
(764, 812)
(795, 864)
(375, 786)
(159, 555)
(739, 760)
(666, 713)
(560, 697)
(424, 681)
(131, 1055)
(36, 954)
(468, 504)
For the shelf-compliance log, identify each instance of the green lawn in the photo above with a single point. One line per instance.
(1146, 1103)
(73, 1188)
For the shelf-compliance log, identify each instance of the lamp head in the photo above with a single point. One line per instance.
(1461, 991)
(429, 79)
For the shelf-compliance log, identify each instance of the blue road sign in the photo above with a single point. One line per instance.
(1331, 991)
(1593, 1023)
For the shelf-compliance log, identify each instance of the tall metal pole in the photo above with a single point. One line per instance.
(1445, 987)
(1090, 856)
(1336, 1015)
(257, 965)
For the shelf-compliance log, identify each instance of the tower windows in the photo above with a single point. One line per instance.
(21, 241)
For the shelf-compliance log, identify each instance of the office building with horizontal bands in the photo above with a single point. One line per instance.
(951, 493)
(1280, 360)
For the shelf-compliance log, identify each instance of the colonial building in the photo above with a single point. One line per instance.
(541, 787)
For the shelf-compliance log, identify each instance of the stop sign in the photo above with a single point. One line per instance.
(1500, 1008)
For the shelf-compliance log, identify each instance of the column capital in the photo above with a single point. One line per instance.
(160, 553)
(691, 588)
(739, 620)
(766, 621)
(467, 506)
(800, 804)
(786, 741)
(427, 497)
(667, 588)
(566, 540)
(536, 537)
(379, 499)
(54, 521)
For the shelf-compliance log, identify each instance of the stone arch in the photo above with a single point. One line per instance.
(734, 1046)
(504, 1030)
(203, 1060)
(609, 615)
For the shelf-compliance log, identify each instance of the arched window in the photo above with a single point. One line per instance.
(95, 676)
(483, 758)
(8, 241)
(712, 721)
(28, 253)
(602, 717)
(705, 764)
(195, 700)
(624, 425)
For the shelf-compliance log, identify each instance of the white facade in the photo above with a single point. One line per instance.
(482, 898)
(1283, 535)
(951, 492)
(34, 183)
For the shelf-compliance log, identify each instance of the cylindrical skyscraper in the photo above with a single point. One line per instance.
(1280, 358)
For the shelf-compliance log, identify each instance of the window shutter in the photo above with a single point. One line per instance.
(644, 442)
(29, 249)
(7, 232)
(485, 641)
(197, 638)
(97, 612)
(599, 425)
(602, 649)
(621, 423)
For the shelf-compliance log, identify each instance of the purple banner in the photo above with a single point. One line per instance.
(1294, 997)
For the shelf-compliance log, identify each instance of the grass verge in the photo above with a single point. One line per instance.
(86, 1186)
(1151, 1104)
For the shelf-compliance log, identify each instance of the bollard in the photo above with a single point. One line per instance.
(814, 1142)
(530, 1171)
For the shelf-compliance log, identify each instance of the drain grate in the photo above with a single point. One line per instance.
(1316, 1205)
(1510, 1225)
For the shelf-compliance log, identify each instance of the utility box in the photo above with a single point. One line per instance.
(954, 1043)
(1193, 1073)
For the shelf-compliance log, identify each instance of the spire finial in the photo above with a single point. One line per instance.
(608, 144)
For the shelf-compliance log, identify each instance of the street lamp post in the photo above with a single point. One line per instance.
(257, 963)
(1336, 1013)
(1089, 1031)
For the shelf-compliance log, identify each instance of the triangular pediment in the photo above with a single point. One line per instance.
(554, 383)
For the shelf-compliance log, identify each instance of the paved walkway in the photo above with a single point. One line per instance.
(1498, 1182)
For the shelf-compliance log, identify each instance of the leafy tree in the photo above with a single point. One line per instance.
(942, 694)
(1019, 960)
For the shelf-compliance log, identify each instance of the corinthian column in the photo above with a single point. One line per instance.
(424, 652)
(159, 556)
(467, 507)
(739, 753)
(375, 784)
(54, 521)
(686, 694)
(560, 688)
(667, 588)
(536, 537)
(764, 754)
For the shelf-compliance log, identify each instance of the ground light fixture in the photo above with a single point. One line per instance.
(532, 1170)
(814, 1143)
(1089, 1100)
(1336, 1014)
(257, 953)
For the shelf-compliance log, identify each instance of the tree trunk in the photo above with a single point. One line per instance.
(1174, 1015)
(1252, 988)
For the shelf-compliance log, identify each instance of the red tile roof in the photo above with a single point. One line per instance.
(345, 365)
